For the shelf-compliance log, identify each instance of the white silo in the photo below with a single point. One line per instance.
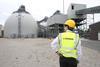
(20, 25)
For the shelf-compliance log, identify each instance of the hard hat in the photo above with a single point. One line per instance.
(70, 23)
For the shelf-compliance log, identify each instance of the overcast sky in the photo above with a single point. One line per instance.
(39, 8)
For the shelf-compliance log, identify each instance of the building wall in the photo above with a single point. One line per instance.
(98, 35)
(73, 8)
(0, 33)
(0, 30)
(94, 30)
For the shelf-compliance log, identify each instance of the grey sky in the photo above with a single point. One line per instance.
(39, 8)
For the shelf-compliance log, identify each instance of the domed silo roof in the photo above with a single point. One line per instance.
(20, 24)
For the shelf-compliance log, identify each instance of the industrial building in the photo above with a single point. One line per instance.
(1, 31)
(42, 27)
(71, 12)
(20, 25)
(94, 31)
(77, 12)
(55, 23)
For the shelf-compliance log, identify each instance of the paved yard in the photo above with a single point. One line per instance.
(37, 53)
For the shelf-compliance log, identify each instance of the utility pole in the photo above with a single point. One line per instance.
(93, 18)
(63, 6)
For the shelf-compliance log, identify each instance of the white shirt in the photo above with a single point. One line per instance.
(54, 45)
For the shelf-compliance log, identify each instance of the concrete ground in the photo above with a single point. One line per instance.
(38, 53)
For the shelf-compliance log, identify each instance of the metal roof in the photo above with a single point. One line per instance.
(88, 10)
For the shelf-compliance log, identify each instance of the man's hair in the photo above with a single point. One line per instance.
(70, 28)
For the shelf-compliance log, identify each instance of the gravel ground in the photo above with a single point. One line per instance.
(38, 53)
(91, 53)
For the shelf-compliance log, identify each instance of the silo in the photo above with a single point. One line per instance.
(20, 25)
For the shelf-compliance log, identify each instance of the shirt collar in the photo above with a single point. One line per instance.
(69, 31)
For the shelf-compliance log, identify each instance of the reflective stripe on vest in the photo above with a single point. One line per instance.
(67, 44)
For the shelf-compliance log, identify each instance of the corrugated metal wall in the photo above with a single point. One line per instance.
(94, 29)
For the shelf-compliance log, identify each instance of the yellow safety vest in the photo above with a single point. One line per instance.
(67, 45)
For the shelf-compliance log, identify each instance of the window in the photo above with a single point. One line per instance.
(72, 7)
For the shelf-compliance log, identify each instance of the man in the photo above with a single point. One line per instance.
(68, 46)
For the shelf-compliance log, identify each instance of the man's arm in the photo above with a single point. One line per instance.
(54, 44)
(79, 50)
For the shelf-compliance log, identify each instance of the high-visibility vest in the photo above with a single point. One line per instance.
(67, 44)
